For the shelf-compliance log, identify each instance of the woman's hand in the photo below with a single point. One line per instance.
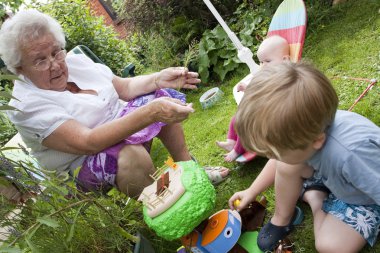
(176, 78)
(170, 110)
(241, 199)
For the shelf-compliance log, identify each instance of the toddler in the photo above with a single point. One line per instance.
(273, 50)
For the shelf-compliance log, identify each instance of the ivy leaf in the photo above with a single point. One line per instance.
(48, 221)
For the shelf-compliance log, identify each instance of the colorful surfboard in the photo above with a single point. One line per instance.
(289, 22)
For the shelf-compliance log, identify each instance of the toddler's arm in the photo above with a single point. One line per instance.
(262, 182)
(241, 86)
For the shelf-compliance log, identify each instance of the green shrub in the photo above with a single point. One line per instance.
(81, 28)
(154, 50)
(61, 219)
(7, 130)
(171, 26)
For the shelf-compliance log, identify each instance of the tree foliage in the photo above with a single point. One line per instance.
(10, 5)
(81, 28)
(146, 14)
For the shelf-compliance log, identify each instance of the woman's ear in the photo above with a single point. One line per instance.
(318, 143)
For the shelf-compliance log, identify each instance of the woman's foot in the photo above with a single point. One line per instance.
(231, 156)
(217, 174)
(227, 145)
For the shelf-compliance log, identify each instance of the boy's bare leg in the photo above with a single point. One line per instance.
(331, 234)
(288, 185)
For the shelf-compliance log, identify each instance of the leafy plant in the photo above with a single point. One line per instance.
(218, 55)
(61, 218)
(7, 129)
(191, 53)
(154, 50)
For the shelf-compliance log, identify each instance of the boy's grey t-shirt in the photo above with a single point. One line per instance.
(349, 161)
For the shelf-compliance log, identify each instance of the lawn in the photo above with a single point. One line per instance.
(345, 43)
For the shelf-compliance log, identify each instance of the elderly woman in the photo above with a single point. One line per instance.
(70, 113)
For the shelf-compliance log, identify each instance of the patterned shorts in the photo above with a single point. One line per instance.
(365, 219)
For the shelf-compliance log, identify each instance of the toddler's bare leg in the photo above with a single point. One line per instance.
(227, 145)
(231, 156)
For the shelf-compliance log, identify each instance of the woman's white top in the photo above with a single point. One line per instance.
(43, 111)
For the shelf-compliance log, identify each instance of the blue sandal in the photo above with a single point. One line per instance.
(270, 235)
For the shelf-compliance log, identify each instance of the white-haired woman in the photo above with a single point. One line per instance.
(70, 115)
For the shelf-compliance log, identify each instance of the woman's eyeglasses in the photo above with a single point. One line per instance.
(46, 64)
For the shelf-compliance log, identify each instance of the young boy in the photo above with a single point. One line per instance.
(289, 114)
(273, 50)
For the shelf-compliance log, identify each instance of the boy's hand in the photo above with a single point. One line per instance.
(242, 198)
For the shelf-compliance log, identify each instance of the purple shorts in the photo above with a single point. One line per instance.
(98, 172)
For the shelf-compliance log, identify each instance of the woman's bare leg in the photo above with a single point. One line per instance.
(134, 167)
(173, 138)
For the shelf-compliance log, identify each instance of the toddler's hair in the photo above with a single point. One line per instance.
(286, 106)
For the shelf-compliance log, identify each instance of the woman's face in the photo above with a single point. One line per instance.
(46, 47)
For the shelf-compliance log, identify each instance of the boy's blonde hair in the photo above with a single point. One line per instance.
(286, 106)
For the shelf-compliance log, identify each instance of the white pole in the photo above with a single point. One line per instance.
(244, 53)
(230, 34)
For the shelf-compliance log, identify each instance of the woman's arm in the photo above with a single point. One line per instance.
(176, 78)
(73, 137)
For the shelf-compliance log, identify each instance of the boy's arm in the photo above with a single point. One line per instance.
(261, 183)
(265, 178)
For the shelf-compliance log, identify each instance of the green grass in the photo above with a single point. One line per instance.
(344, 43)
